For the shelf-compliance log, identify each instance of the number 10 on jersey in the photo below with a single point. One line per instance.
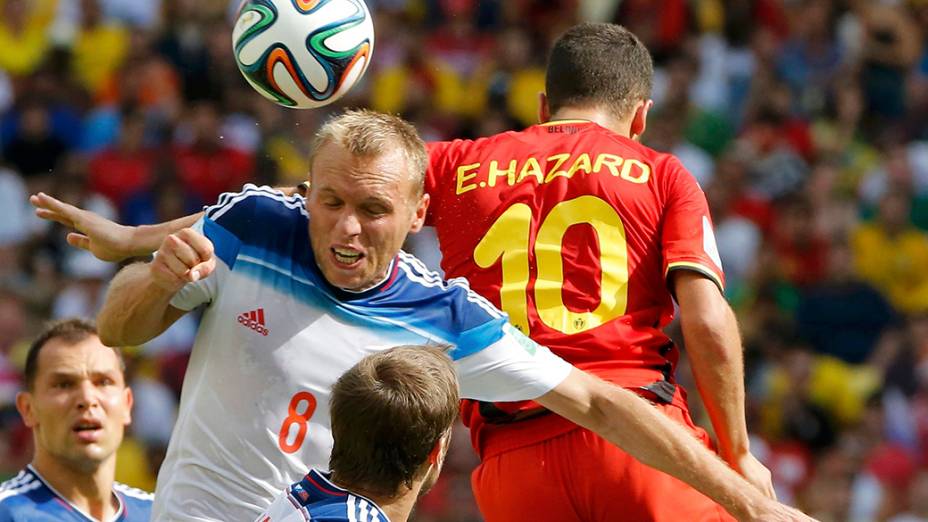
(509, 238)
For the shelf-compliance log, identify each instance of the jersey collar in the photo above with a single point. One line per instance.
(116, 516)
(384, 284)
(322, 481)
(563, 122)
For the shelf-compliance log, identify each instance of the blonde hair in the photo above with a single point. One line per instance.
(367, 133)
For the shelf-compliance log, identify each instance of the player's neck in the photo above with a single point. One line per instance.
(91, 492)
(398, 508)
(598, 116)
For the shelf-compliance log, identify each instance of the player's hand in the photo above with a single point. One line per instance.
(755, 473)
(105, 239)
(184, 257)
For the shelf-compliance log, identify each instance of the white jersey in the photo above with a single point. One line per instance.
(274, 338)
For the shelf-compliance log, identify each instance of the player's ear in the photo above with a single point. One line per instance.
(24, 407)
(438, 450)
(422, 207)
(544, 112)
(640, 119)
(129, 400)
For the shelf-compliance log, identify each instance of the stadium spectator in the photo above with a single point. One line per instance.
(890, 253)
(126, 170)
(99, 49)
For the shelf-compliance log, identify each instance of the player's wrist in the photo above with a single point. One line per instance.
(733, 452)
(142, 240)
(751, 506)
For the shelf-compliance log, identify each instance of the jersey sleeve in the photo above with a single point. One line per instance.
(236, 223)
(514, 368)
(687, 237)
(437, 174)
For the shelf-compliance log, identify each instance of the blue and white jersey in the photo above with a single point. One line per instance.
(275, 336)
(316, 499)
(28, 497)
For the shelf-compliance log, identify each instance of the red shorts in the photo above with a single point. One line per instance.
(578, 476)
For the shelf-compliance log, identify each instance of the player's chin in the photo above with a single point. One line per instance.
(91, 456)
(347, 277)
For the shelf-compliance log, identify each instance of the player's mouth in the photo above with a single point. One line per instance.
(88, 430)
(346, 257)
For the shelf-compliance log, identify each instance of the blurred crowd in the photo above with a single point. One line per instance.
(805, 122)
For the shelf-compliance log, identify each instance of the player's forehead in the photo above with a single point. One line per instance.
(60, 357)
(336, 169)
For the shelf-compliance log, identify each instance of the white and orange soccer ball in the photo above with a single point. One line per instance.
(303, 53)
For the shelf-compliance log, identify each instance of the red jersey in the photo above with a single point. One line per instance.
(572, 229)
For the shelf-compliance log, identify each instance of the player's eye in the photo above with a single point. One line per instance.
(63, 385)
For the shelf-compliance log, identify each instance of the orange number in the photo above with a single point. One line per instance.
(301, 420)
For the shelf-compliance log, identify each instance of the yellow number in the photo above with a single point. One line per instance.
(508, 238)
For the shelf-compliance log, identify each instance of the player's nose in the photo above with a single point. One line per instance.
(348, 224)
(86, 395)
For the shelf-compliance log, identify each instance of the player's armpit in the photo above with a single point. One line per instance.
(631, 423)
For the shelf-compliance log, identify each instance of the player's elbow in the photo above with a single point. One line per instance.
(710, 324)
(109, 330)
(609, 413)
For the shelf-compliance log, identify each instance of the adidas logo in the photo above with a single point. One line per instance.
(254, 320)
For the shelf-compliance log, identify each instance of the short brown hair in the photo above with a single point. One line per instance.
(598, 64)
(388, 412)
(71, 331)
(368, 133)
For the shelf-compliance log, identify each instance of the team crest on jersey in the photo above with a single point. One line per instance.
(255, 321)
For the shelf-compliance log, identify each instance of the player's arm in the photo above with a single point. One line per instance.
(105, 239)
(108, 240)
(138, 304)
(713, 346)
(694, 273)
(631, 423)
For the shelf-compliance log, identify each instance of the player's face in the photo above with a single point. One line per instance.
(361, 210)
(80, 404)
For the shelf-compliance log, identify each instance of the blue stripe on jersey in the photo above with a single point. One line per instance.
(273, 247)
(225, 244)
(29, 497)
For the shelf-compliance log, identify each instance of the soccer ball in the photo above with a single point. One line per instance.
(303, 53)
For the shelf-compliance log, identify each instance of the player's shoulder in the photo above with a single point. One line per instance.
(262, 217)
(446, 311)
(138, 502)
(19, 490)
(429, 288)
(254, 205)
